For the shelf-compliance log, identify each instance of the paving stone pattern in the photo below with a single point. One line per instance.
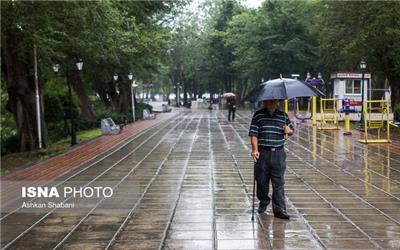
(187, 184)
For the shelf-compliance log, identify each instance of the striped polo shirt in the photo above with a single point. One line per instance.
(269, 128)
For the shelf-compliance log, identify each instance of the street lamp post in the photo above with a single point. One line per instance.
(115, 77)
(133, 85)
(79, 66)
(150, 91)
(38, 120)
(177, 87)
(363, 66)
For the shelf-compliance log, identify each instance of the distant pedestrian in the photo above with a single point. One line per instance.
(231, 102)
(268, 130)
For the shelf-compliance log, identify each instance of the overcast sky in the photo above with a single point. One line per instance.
(253, 3)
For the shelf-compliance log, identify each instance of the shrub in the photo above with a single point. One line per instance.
(54, 108)
(9, 145)
(396, 112)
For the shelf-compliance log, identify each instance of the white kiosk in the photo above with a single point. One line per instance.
(348, 85)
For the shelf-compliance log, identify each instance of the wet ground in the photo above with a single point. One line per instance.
(187, 184)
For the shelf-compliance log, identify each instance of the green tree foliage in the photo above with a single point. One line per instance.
(270, 41)
(351, 30)
(240, 46)
(110, 36)
(215, 47)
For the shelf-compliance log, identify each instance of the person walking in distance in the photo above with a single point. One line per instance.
(268, 130)
(231, 102)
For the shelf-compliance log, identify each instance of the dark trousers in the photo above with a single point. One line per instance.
(271, 166)
(231, 112)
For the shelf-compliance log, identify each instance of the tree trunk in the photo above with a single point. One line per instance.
(184, 87)
(245, 85)
(168, 100)
(210, 91)
(103, 96)
(125, 98)
(21, 90)
(194, 90)
(394, 82)
(45, 135)
(114, 101)
(77, 86)
(176, 97)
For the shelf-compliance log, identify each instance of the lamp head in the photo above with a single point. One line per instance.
(79, 63)
(56, 67)
(363, 65)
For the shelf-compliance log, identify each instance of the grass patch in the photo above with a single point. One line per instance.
(81, 136)
(12, 162)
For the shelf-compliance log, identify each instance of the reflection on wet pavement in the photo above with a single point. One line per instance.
(194, 192)
(345, 192)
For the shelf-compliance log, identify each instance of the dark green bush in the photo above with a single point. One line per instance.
(9, 145)
(56, 104)
(56, 130)
(54, 108)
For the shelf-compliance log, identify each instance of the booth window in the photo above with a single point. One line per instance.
(357, 87)
(353, 87)
(349, 86)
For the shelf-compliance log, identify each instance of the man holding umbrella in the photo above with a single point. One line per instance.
(268, 131)
(231, 104)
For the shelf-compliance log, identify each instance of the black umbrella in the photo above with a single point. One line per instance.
(282, 89)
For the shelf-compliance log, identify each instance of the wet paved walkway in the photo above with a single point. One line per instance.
(187, 185)
(82, 154)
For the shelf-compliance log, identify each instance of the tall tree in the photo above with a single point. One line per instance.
(220, 54)
(355, 30)
(21, 29)
(109, 36)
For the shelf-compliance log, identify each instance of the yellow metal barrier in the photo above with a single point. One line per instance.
(314, 111)
(394, 124)
(374, 114)
(329, 113)
(347, 125)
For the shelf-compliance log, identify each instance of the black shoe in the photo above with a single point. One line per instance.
(282, 215)
(262, 207)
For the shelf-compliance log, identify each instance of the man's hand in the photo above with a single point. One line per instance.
(255, 154)
(254, 148)
(287, 130)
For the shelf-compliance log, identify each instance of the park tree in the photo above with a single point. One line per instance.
(220, 54)
(109, 36)
(22, 28)
(355, 30)
(270, 41)
(185, 54)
